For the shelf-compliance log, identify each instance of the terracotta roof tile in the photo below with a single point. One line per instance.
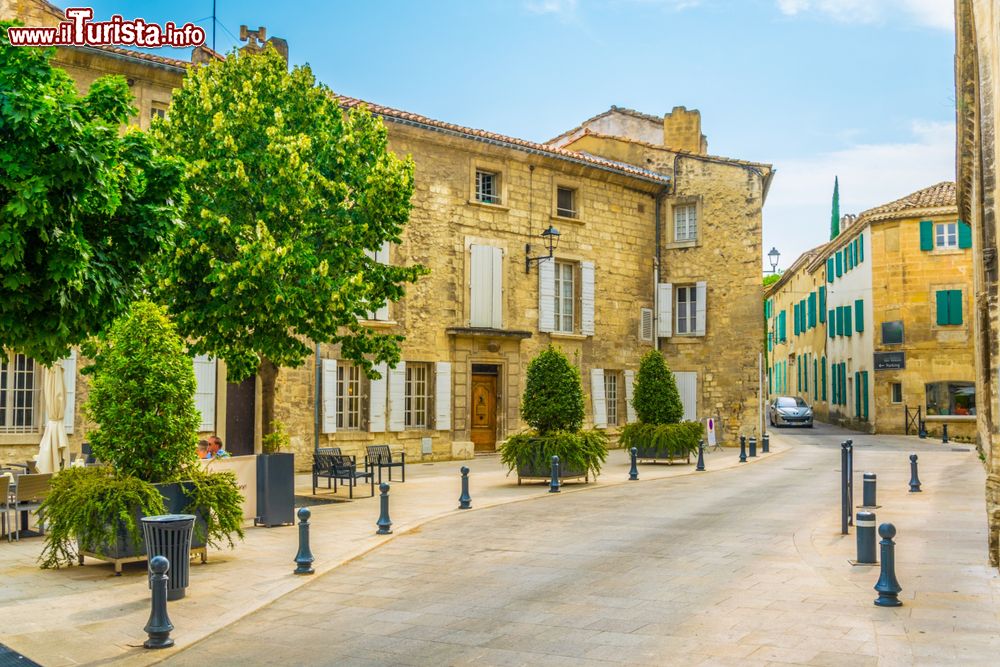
(941, 195)
(141, 55)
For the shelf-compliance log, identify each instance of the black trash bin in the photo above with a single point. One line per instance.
(169, 535)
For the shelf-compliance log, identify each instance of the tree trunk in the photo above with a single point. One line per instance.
(268, 378)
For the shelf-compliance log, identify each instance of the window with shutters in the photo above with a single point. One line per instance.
(687, 304)
(348, 397)
(20, 394)
(565, 295)
(487, 187)
(946, 235)
(646, 324)
(485, 286)
(949, 307)
(566, 202)
(417, 395)
(611, 396)
(686, 222)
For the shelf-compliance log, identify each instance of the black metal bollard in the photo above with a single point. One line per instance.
(868, 490)
(921, 429)
(753, 447)
(845, 505)
(865, 524)
(304, 558)
(158, 626)
(765, 442)
(944, 434)
(701, 457)
(914, 480)
(383, 523)
(887, 586)
(633, 473)
(743, 449)
(554, 481)
(850, 481)
(464, 500)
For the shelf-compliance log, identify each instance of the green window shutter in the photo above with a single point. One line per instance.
(829, 270)
(805, 375)
(770, 381)
(815, 379)
(822, 368)
(964, 235)
(843, 383)
(942, 307)
(859, 315)
(864, 394)
(812, 310)
(798, 319)
(861, 248)
(857, 260)
(822, 304)
(955, 306)
(847, 320)
(840, 321)
(926, 235)
(849, 257)
(857, 394)
(798, 378)
(831, 325)
(836, 384)
(781, 327)
(840, 264)
(802, 309)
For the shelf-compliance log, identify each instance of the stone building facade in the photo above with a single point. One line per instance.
(897, 288)
(659, 245)
(977, 93)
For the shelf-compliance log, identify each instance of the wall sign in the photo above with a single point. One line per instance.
(890, 361)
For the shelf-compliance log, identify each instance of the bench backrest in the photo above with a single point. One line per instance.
(4, 489)
(33, 488)
(328, 451)
(379, 453)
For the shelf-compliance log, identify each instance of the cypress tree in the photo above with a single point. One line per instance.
(835, 212)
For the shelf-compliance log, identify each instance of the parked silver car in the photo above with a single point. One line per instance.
(789, 411)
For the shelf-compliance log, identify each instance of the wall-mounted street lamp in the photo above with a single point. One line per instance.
(551, 235)
(773, 257)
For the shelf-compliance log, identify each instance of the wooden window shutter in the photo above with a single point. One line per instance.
(812, 310)
(701, 296)
(587, 298)
(665, 304)
(840, 264)
(840, 321)
(204, 393)
(849, 257)
(942, 297)
(864, 394)
(382, 257)
(377, 395)
(964, 235)
(547, 295)
(857, 394)
(629, 408)
(646, 325)
(955, 306)
(69, 391)
(486, 286)
(329, 374)
(829, 270)
(598, 400)
(815, 379)
(442, 396)
(822, 304)
(847, 321)
(861, 248)
(926, 235)
(822, 368)
(397, 397)
(831, 324)
(859, 315)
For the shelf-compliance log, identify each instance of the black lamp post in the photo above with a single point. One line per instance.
(551, 235)
(773, 257)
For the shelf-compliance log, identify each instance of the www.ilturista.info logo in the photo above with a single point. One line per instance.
(79, 30)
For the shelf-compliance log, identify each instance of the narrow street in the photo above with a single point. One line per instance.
(743, 566)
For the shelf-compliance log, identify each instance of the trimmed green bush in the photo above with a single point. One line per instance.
(553, 398)
(663, 440)
(584, 451)
(142, 397)
(656, 399)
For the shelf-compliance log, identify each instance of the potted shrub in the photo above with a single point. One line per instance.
(275, 479)
(142, 400)
(552, 406)
(659, 434)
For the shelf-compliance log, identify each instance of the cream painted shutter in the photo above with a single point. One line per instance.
(442, 396)
(486, 287)
(547, 295)
(600, 403)
(329, 396)
(587, 298)
(204, 393)
(687, 387)
(629, 409)
(665, 304)
(701, 292)
(69, 390)
(376, 404)
(397, 397)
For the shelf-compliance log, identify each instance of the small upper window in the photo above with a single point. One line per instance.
(946, 235)
(897, 392)
(566, 202)
(687, 299)
(686, 223)
(487, 187)
(157, 111)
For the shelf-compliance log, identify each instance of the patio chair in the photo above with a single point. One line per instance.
(380, 456)
(4, 503)
(31, 491)
(338, 467)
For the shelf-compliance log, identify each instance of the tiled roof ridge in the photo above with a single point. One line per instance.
(637, 114)
(612, 109)
(939, 195)
(554, 151)
(639, 142)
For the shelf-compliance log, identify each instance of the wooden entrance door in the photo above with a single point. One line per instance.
(484, 412)
(240, 404)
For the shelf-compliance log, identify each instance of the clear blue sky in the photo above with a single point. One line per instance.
(859, 88)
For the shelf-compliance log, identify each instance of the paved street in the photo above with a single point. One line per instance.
(739, 566)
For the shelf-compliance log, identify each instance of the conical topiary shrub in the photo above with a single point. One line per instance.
(553, 406)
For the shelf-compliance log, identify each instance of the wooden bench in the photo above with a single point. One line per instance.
(338, 467)
(380, 456)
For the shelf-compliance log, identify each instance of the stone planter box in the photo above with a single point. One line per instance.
(658, 455)
(542, 471)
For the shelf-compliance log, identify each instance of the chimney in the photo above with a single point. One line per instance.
(682, 131)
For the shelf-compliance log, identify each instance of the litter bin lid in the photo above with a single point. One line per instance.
(169, 518)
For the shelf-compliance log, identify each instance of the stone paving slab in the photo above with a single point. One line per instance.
(84, 615)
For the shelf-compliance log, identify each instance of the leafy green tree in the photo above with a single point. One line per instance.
(553, 398)
(289, 197)
(656, 399)
(142, 397)
(83, 206)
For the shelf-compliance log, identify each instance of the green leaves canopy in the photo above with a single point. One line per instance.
(553, 397)
(82, 206)
(656, 399)
(287, 194)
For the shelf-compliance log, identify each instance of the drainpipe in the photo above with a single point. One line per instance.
(657, 199)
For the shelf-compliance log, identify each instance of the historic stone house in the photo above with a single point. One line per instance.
(659, 244)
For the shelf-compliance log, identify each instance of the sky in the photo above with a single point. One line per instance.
(859, 89)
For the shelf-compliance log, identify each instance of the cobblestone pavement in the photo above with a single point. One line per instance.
(743, 566)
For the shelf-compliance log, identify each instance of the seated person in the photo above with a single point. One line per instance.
(215, 448)
(203, 449)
